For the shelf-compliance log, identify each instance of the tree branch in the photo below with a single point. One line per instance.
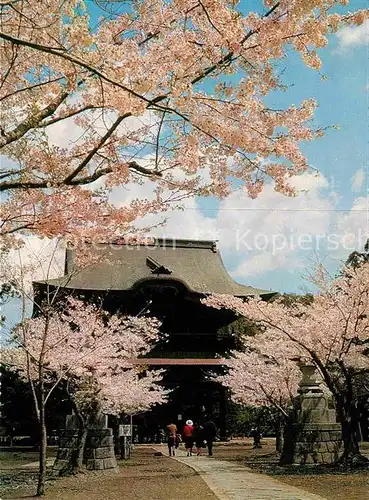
(228, 58)
(32, 121)
(94, 150)
(31, 87)
(142, 170)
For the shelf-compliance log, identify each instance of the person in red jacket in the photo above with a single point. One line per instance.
(187, 437)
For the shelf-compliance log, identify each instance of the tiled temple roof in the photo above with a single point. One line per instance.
(195, 264)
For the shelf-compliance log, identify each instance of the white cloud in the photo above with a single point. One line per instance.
(254, 235)
(353, 36)
(264, 242)
(273, 233)
(38, 259)
(353, 228)
(268, 233)
(66, 132)
(357, 180)
(265, 262)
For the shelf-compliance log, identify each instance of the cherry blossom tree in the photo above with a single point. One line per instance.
(91, 353)
(131, 392)
(260, 378)
(332, 333)
(170, 93)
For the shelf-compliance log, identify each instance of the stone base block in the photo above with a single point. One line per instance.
(59, 465)
(99, 441)
(68, 441)
(63, 453)
(315, 457)
(101, 463)
(103, 452)
(317, 443)
(99, 450)
(99, 432)
(110, 463)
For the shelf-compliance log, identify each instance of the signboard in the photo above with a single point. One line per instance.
(179, 417)
(125, 431)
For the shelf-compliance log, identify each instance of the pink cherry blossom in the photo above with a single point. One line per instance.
(332, 333)
(153, 79)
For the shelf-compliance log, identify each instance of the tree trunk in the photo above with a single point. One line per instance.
(43, 443)
(75, 461)
(288, 443)
(279, 442)
(349, 420)
(115, 427)
(77, 464)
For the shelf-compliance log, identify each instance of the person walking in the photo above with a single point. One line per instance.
(209, 432)
(197, 436)
(178, 440)
(187, 436)
(256, 435)
(171, 438)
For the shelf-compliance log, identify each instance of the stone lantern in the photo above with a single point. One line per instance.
(316, 435)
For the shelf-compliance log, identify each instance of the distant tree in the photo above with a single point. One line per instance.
(357, 258)
(18, 414)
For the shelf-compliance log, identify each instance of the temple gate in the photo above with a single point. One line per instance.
(167, 279)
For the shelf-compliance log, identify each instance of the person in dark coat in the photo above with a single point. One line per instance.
(256, 435)
(197, 436)
(209, 432)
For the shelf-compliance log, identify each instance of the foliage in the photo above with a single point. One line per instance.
(356, 258)
(18, 414)
(242, 418)
(17, 409)
(93, 351)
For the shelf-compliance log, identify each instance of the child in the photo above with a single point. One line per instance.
(178, 440)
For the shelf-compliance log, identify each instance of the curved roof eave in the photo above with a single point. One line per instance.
(196, 264)
(64, 283)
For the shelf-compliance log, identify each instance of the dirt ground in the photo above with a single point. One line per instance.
(330, 484)
(143, 477)
(150, 477)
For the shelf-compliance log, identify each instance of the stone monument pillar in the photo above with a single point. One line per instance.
(316, 436)
(99, 451)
